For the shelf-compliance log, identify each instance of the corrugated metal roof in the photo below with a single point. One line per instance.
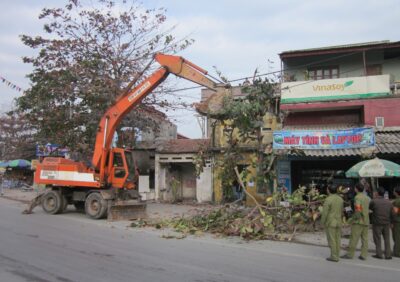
(363, 44)
(338, 152)
(321, 127)
(388, 129)
(340, 49)
(388, 142)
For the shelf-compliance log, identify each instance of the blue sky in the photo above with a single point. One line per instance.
(235, 36)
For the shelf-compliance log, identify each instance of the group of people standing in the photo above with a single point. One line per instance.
(382, 213)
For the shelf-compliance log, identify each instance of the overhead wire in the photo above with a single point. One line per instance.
(299, 67)
(268, 73)
(284, 70)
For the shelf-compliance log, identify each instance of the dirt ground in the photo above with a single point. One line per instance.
(154, 210)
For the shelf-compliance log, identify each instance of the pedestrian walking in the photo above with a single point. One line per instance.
(331, 218)
(359, 224)
(381, 219)
(396, 223)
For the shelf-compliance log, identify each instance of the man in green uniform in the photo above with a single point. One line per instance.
(396, 223)
(359, 224)
(331, 218)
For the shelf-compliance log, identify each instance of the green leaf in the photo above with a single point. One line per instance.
(348, 83)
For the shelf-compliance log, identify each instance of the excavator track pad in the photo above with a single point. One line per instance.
(126, 210)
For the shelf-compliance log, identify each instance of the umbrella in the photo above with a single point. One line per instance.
(19, 164)
(3, 164)
(374, 168)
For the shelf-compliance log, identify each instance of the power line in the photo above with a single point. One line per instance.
(284, 70)
(269, 73)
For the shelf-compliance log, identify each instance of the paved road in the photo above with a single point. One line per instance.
(69, 247)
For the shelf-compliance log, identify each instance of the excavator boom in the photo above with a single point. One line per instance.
(114, 115)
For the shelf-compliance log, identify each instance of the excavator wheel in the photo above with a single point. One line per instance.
(96, 206)
(64, 202)
(52, 202)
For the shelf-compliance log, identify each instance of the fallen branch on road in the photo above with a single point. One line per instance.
(273, 220)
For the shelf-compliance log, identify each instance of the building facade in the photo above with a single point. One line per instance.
(341, 106)
(218, 132)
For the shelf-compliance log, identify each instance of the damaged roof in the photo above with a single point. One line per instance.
(183, 146)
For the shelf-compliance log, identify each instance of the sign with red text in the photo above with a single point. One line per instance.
(324, 139)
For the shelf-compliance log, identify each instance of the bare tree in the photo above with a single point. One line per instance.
(89, 58)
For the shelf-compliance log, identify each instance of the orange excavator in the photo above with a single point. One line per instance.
(109, 186)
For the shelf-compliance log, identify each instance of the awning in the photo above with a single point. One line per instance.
(329, 153)
(387, 142)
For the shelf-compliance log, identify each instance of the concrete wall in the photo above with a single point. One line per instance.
(204, 184)
(160, 179)
(181, 167)
(144, 160)
(167, 131)
(144, 188)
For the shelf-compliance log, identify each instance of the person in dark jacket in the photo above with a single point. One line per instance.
(381, 220)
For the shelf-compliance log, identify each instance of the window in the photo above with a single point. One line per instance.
(379, 121)
(119, 170)
(323, 73)
(118, 161)
(374, 69)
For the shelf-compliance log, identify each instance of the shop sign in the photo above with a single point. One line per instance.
(50, 150)
(335, 89)
(324, 139)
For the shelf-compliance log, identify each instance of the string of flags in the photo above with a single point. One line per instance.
(10, 84)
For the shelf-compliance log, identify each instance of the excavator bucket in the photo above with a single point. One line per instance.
(126, 210)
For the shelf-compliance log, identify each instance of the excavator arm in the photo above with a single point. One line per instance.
(125, 103)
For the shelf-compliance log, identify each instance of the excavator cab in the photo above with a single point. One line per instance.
(123, 175)
(122, 171)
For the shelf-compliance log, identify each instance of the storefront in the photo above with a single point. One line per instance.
(314, 158)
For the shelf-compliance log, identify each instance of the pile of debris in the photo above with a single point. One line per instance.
(279, 218)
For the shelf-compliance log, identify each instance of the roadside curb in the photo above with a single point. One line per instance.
(345, 248)
(15, 199)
